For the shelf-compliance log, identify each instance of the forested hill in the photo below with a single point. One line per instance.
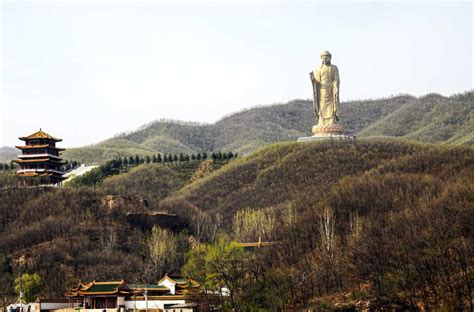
(432, 118)
(401, 215)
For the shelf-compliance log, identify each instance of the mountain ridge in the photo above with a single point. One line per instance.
(430, 118)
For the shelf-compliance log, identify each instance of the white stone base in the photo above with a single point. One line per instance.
(327, 136)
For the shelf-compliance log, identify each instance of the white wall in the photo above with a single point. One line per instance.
(54, 305)
(152, 304)
(120, 301)
(169, 284)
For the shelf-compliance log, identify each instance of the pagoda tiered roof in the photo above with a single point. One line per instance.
(39, 160)
(24, 147)
(40, 135)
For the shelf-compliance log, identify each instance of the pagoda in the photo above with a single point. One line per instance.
(40, 158)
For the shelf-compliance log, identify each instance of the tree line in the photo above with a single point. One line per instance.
(11, 166)
(170, 158)
(118, 165)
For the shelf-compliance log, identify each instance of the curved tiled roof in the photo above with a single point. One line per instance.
(40, 135)
(100, 288)
(22, 147)
(148, 287)
(37, 160)
(121, 288)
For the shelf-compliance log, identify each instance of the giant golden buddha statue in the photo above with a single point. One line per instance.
(325, 80)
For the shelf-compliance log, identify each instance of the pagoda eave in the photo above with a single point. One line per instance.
(39, 138)
(35, 173)
(22, 147)
(39, 161)
(52, 157)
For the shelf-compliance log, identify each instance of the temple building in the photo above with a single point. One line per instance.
(40, 158)
(169, 294)
(120, 296)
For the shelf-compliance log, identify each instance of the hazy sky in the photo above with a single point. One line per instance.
(84, 70)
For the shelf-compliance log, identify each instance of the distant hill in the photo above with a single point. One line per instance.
(241, 132)
(7, 153)
(432, 118)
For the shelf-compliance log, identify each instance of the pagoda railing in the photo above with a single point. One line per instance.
(38, 155)
(39, 170)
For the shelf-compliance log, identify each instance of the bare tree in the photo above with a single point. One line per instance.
(162, 247)
(326, 229)
(109, 240)
(250, 224)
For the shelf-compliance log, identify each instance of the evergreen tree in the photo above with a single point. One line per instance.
(213, 156)
(154, 160)
(193, 157)
(1, 166)
(186, 158)
(170, 157)
(224, 155)
(137, 159)
(198, 157)
(125, 161)
(165, 160)
(131, 161)
(6, 167)
(148, 159)
(219, 155)
(181, 157)
(204, 156)
(175, 157)
(158, 158)
(230, 155)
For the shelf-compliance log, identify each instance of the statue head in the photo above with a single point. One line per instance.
(326, 58)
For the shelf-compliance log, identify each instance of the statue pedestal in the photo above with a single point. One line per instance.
(327, 137)
(332, 132)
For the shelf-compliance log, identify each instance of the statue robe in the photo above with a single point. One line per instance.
(327, 83)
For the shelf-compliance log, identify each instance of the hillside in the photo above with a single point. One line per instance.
(295, 174)
(397, 208)
(432, 118)
(385, 184)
